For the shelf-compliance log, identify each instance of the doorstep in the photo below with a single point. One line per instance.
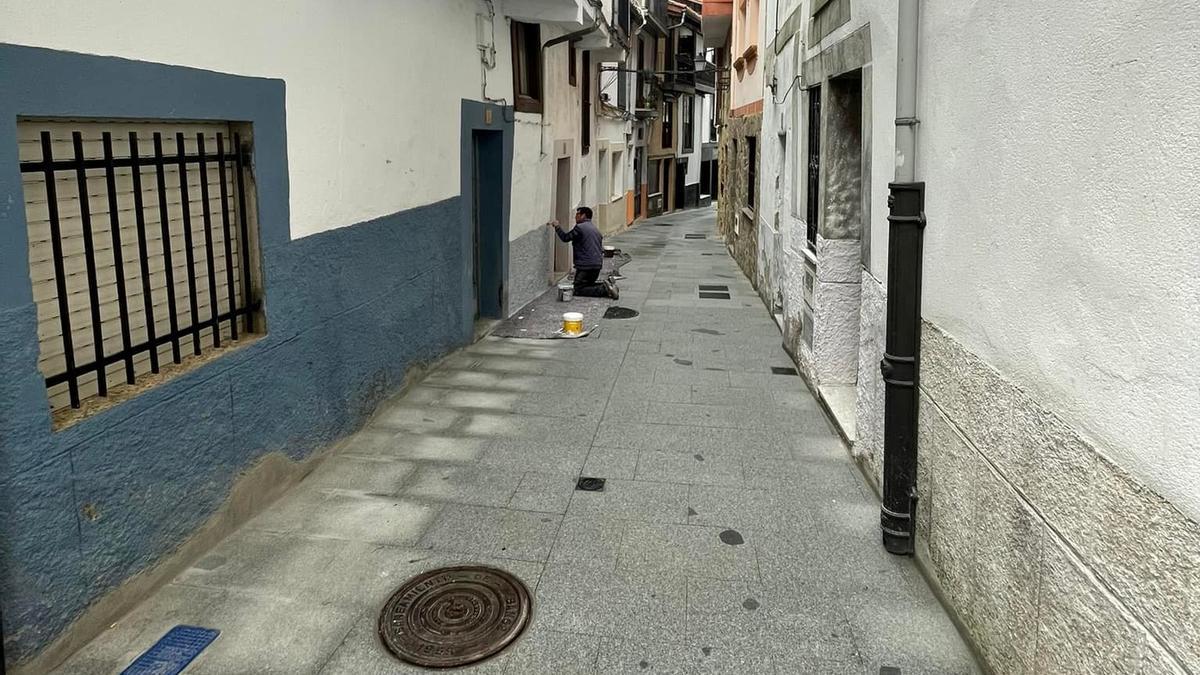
(840, 400)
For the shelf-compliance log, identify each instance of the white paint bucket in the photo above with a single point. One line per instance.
(565, 292)
(572, 323)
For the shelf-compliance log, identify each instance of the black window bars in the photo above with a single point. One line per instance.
(243, 306)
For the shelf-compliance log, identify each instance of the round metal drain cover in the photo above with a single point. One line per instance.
(454, 616)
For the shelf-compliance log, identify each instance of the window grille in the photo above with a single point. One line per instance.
(140, 248)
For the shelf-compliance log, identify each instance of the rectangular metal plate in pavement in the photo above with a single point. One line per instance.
(714, 287)
(173, 652)
(695, 236)
(714, 296)
(590, 484)
(783, 370)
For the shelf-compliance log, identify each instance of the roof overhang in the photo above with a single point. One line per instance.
(716, 20)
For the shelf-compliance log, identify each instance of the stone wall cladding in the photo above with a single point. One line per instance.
(868, 447)
(1013, 500)
(734, 175)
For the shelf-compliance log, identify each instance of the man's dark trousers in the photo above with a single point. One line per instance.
(586, 285)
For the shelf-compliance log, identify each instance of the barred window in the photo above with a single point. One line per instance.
(142, 250)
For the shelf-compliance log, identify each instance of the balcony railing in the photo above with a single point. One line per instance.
(684, 74)
(706, 75)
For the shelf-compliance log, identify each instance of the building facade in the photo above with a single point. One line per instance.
(1056, 505)
(673, 80)
(738, 156)
(220, 253)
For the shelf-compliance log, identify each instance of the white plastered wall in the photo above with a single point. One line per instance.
(361, 77)
(1063, 244)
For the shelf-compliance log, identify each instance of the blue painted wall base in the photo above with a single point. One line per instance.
(348, 312)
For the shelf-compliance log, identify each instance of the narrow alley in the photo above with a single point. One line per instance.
(599, 336)
(733, 532)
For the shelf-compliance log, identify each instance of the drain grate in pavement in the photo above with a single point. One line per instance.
(664, 224)
(615, 312)
(889, 670)
(783, 370)
(714, 296)
(588, 484)
(714, 287)
(454, 616)
(173, 652)
(695, 236)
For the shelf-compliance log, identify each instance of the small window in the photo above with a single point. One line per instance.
(689, 115)
(668, 124)
(527, 66)
(752, 170)
(617, 183)
(571, 67)
(585, 109)
(142, 251)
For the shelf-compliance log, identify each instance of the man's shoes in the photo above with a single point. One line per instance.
(613, 291)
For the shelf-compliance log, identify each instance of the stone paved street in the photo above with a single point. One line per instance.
(679, 410)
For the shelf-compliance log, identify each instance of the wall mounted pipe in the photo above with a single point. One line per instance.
(902, 358)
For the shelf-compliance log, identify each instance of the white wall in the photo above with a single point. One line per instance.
(706, 110)
(1063, 243)
(748, 87)
(351, 69)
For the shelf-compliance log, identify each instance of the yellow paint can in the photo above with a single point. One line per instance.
(572, 323)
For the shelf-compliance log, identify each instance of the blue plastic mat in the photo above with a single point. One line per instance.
(173, 652)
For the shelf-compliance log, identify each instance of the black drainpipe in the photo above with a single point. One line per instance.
(901, 365)
(902, 359)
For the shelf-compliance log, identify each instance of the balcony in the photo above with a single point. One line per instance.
(683, 76)
(568, 15)
(716, 18)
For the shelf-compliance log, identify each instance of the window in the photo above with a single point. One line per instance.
(652, 185)
(741, 42)
(752, 169)
(641, 67)
(622, 87)
(668, 124)
(782, 173)
(142, 251)
(585, 109)
(527, 66)
(688, 114)
(602, 175)
(571, 79)
(814, 163)
(620, 10)
(711, 106)
(618, 175)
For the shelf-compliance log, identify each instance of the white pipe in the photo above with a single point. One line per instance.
(906, 90)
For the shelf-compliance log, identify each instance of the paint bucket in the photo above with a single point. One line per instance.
(565, 292)
(572, 323)
(610, 251)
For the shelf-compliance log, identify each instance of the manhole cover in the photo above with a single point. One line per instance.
(454, 616)
(615, 312)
